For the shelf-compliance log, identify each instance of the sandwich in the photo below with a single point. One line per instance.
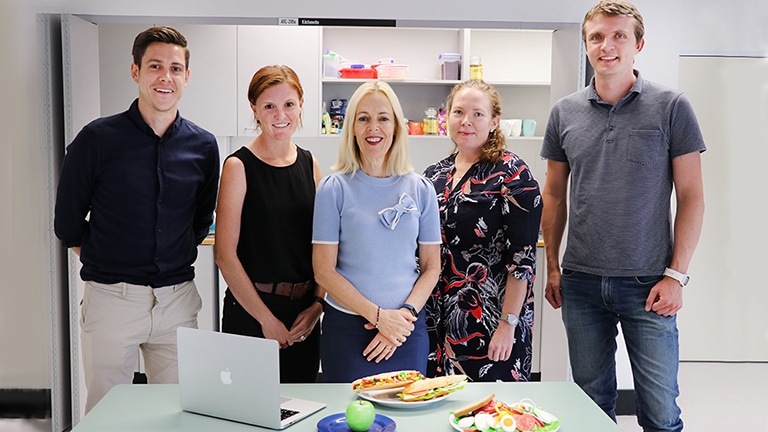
(387, 380)
(431, 388)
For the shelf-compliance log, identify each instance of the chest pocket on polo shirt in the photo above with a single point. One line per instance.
(646, 146)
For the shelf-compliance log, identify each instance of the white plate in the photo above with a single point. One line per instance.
(389, 398)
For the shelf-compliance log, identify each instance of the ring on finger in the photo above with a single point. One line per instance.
(302, 338)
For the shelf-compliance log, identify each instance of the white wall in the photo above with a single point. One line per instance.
(679, 26)
(724, 311)
(24, 258)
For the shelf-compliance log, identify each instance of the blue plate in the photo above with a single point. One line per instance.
(338, 423)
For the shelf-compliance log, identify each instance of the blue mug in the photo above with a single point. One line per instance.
(529, 127)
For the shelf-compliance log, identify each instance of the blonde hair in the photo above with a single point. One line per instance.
(615, 8)
(350, 160)
(496, 145)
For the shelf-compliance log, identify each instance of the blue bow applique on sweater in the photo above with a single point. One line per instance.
(390, 216)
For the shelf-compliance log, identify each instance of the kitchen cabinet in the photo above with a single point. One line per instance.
(516, 62)
(297, 47)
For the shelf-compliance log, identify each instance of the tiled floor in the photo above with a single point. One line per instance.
(714, 397)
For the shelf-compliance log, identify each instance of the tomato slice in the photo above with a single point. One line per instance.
(490, 407)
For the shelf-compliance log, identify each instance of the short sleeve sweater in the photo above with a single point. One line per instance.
(378, 224)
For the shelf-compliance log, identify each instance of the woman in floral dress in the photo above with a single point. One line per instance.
(480, 315)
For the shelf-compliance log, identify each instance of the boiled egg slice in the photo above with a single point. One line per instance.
(483, 421)
(466, 422)
(507, 423)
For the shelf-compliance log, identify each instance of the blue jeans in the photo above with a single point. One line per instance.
(592, 307)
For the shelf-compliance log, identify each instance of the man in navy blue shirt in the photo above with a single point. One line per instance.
(135, 198)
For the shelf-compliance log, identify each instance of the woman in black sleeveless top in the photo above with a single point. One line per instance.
(264, 230)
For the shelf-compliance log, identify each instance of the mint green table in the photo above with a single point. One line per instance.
(149, 408)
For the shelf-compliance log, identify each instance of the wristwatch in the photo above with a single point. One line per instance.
(411, 309)
(322, 302)
(510, 318)
(681, 278)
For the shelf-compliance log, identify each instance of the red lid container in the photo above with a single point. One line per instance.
(357, 72)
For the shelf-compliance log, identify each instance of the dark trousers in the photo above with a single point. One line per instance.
(300, 362)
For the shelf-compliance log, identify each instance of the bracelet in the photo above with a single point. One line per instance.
(411, 309)
(378, 314)
(320, 300)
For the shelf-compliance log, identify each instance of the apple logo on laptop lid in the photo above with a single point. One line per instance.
(226, 376)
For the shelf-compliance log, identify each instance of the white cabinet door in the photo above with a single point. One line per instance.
(210, 94)
(297, 47)
(209, 97)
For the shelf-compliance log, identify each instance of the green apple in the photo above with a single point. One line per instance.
(360, 415)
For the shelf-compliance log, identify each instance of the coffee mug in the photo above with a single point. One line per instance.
(506, 127)
(517, 127)
(529, 127)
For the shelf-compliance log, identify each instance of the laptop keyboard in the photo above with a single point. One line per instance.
(285, 413)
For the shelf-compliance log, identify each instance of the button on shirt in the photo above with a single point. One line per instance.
(137, 204)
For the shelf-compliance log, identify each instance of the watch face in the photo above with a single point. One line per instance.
(510, 318)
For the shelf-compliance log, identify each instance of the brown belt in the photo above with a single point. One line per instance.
(287, 289)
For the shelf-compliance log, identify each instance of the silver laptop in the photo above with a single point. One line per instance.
(235, 378)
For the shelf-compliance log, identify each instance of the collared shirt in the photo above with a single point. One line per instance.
(137, 204)
(620, 157)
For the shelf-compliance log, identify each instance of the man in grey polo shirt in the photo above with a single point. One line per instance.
(624, 142)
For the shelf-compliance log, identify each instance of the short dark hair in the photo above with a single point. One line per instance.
(162, 34)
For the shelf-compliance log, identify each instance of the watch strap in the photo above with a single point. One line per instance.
(411, 309)
(681, 278)
(320, 300)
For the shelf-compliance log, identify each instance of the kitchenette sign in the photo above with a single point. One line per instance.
(336, 22)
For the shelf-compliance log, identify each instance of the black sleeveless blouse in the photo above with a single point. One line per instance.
(275, 243)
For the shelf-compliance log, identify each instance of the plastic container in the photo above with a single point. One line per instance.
(392, 71)
(331, 64)
(449, 65)
(442, 124)
(357, 71)
(415, 128)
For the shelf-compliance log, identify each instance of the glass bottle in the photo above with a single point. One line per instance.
(475, 68)
(430, 121)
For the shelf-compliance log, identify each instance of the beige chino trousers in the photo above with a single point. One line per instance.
(118, 321)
